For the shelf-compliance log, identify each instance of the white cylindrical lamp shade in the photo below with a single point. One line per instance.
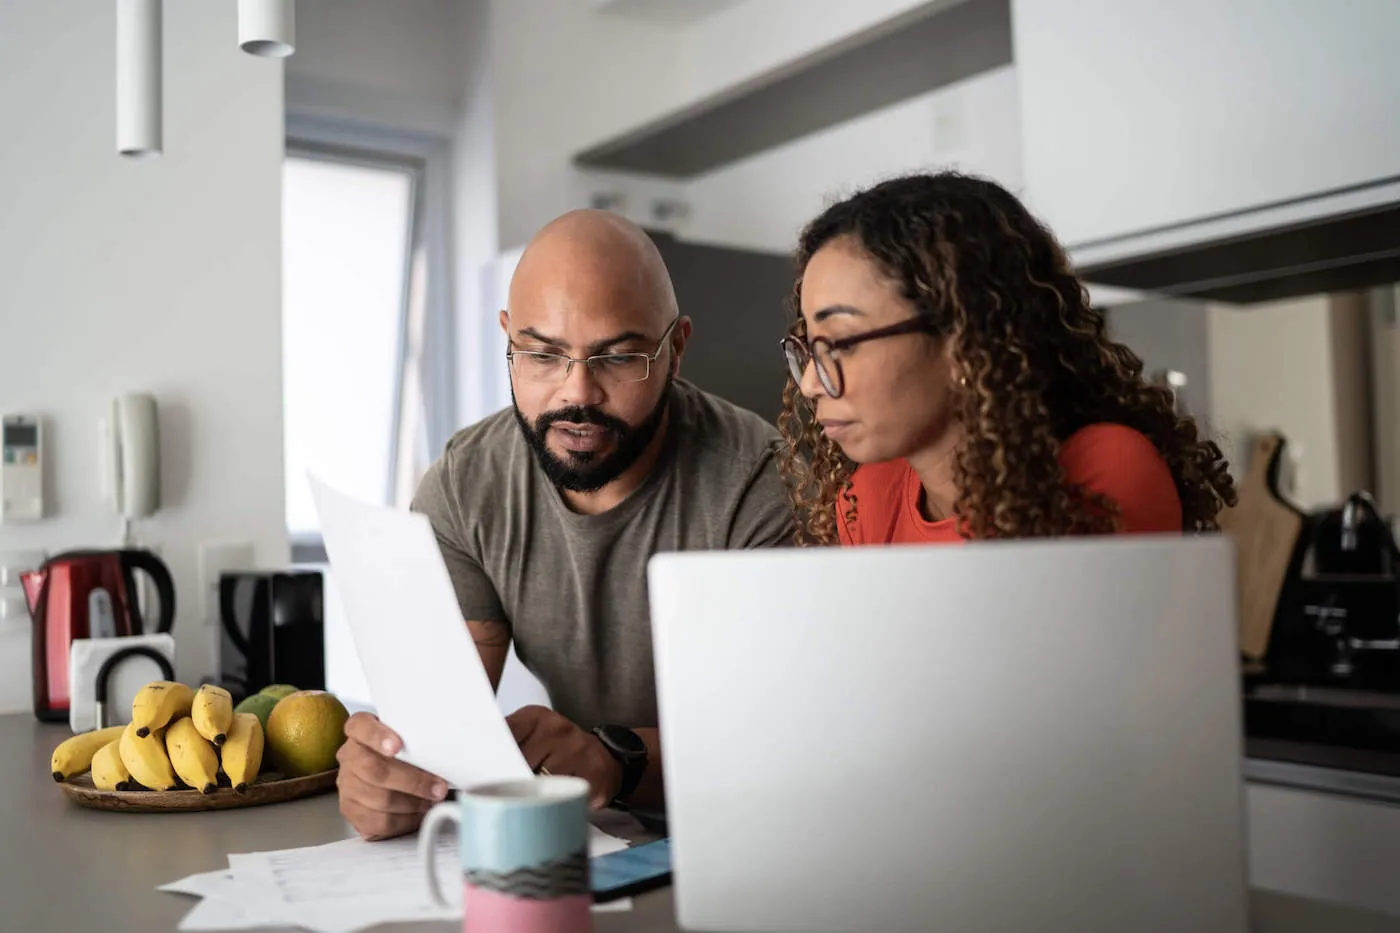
(267, 27)
(139, 101)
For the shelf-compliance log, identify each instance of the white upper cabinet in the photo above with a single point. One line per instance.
(1139, 115)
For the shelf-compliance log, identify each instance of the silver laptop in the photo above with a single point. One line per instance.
(996, 737)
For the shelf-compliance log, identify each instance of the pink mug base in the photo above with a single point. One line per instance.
(492, 912)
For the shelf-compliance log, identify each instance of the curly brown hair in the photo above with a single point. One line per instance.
(1036, 356)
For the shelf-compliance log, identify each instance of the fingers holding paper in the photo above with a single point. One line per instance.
(552, 743)
(380, 796)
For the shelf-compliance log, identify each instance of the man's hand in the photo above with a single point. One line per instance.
(380, 796)
(549, 741)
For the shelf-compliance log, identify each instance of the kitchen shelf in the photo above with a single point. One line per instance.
(935, 47)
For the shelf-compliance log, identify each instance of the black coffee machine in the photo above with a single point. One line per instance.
(273, 631)
(1338, 616)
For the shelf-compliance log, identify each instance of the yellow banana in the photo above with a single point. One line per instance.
(74, 754)
(192, 755)
(242, 752)
(157, 704)
(212, 712)
(146, 759)
(108, 771)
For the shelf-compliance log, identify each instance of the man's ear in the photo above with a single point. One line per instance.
(679, 338)
(505, 321)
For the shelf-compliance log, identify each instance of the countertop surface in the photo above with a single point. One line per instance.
(67, 868)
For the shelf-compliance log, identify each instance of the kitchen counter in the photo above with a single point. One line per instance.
(1329, 739)
(67, 868)
(1351, 772)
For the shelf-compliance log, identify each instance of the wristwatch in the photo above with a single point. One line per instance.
(629, 749)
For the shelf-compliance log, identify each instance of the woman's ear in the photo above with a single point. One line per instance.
(956, 374)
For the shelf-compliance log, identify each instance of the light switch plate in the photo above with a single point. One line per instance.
(215, 559)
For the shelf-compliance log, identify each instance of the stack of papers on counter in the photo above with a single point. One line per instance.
(337, 888)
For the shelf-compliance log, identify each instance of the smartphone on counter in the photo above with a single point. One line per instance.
(631, 871)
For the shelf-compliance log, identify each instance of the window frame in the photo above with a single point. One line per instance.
(428, 160)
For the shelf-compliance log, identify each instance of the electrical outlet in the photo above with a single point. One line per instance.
(215, 559)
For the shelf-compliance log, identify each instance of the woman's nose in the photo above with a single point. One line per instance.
(811, 384)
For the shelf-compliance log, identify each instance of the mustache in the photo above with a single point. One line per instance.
(580, 414)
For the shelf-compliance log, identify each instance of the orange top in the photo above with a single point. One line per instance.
(1116, 461)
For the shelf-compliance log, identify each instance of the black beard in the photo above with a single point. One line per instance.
(581, 472)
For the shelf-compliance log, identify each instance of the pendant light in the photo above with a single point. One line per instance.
(139, 124)
(267, 28)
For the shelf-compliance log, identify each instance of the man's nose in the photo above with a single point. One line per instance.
(581, 386)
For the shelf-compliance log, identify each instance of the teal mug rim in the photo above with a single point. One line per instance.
(540, 791)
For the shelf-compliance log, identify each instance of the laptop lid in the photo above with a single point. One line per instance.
(995, 737)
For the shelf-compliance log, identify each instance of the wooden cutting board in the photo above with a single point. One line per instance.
(1265, 530)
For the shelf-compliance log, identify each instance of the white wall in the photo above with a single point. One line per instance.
(565, 76)
(391, 63)
(160, 276)
(1385, 414)
(1272, 367)
(760, 37)
(763, 201)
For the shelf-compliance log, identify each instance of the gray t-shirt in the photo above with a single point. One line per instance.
(573, 587)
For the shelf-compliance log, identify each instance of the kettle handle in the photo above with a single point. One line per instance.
(165, 586)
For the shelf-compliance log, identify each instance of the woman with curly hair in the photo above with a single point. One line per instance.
(950, 380)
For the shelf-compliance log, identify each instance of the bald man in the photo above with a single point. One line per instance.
(547, 513)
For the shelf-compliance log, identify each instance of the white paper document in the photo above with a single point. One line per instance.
(421, 665)
(339, 887)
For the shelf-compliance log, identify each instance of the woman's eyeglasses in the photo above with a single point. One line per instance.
(824, 352)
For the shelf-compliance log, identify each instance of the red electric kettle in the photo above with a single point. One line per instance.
(86, 594)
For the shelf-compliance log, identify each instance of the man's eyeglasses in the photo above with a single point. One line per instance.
(826, 353)
(607, 368)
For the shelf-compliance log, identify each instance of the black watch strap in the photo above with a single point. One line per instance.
(630, 751)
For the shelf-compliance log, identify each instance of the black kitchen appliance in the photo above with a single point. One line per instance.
(273, 630)
(1330, 682)
(1338, 616)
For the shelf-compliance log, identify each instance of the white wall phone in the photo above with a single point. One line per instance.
(131, 456)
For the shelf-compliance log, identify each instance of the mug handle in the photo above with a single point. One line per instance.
(427, 845)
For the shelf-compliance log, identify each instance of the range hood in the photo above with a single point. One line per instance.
(1345, 241)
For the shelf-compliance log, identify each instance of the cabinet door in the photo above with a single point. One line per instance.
(1144, 114)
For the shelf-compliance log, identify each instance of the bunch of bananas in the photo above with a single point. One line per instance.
(177, 737)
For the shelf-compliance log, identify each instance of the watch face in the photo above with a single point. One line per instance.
(623, 739)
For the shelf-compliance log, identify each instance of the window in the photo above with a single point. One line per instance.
(367, 388)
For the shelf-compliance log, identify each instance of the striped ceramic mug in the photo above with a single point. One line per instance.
(524, 853)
